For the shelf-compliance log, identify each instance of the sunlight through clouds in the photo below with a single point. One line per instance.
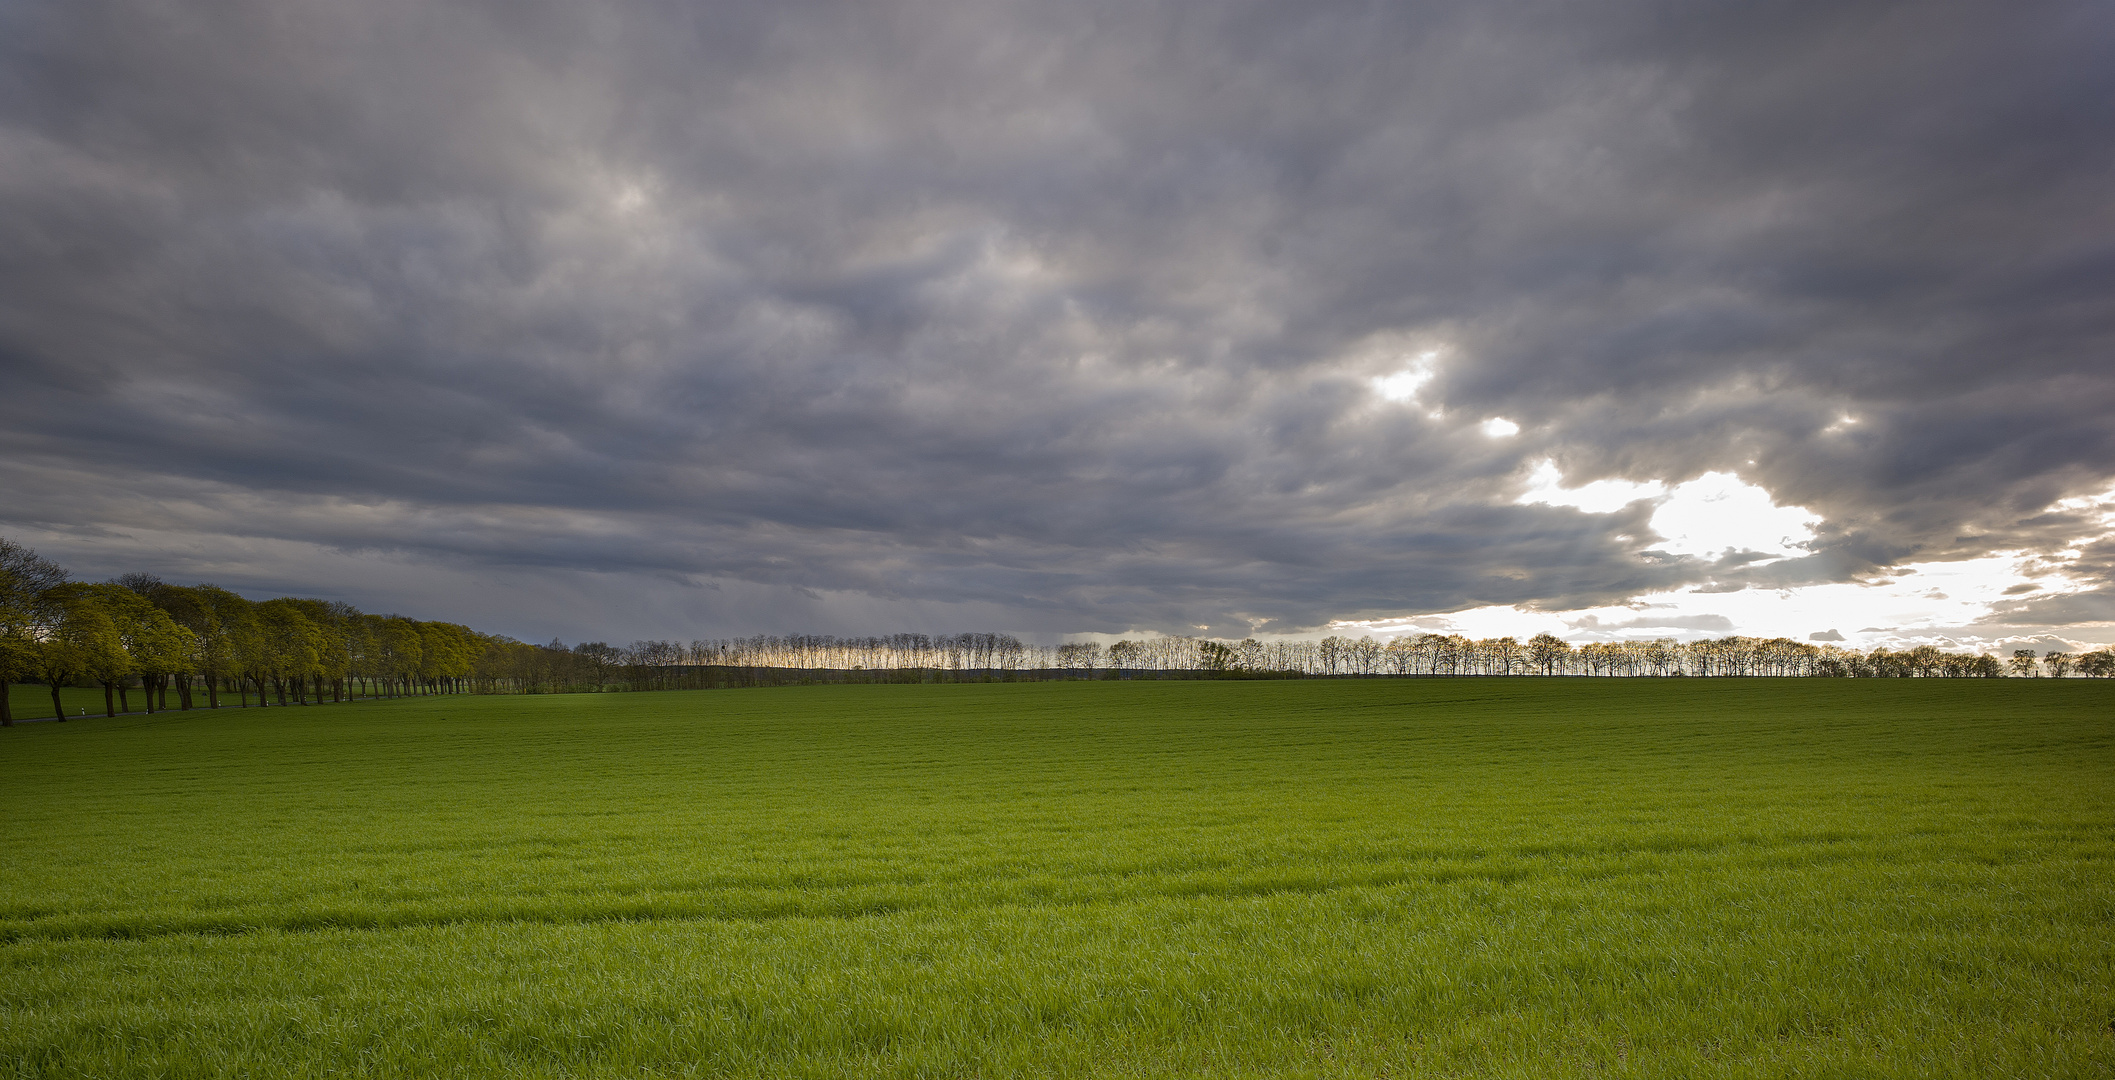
(1718, 512)
(1403, 386)
(1546, 486)
(1945, 604)
(1712, 514)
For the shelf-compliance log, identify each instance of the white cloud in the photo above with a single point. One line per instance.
(1546, 486)
(1710, 515)
(1718, 512)
(1498, 427)
(1404, 385)
(1944, 603)
(1936, 603)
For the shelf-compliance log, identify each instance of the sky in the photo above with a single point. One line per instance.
(618, 320)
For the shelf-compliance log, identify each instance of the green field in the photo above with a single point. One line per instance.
(1516, 877)
(32, 701)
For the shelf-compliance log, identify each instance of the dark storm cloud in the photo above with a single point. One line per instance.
(1067, 311)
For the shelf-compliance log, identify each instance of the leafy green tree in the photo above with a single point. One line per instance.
(371, 657)
(155, 646)
(358, 630)
(447, 653)
(2022, 662)
(338, 628)
(403, 651)
(2057, 663)
(24, 577)
(229, 641)
(75, 637)
(186, 608)
(291, 646)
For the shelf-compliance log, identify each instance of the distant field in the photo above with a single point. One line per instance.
(1663, 878)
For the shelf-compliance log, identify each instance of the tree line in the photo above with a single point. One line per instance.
(202, 643)
(983, 655)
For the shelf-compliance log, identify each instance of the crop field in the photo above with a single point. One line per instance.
(1440, 877)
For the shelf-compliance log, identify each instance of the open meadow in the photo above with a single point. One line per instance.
(1491, 877)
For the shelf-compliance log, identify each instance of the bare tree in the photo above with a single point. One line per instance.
(1548, 652)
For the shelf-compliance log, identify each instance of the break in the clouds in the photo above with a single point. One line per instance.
(658, 318)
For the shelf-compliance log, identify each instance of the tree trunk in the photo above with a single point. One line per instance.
(124, 696)
(109, 700)
(58, 708)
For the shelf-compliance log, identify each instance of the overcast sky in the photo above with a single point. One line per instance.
(594, 319)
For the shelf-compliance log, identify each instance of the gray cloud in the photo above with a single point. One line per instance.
(821, 314)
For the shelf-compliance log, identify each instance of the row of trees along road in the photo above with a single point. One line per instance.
(140, 633)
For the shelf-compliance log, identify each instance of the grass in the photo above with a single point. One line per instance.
(32, 701)
(1368, 878)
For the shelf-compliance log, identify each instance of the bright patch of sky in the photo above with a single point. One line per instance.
(1940, 603)
(1718, 512)
(1404, 385)
(1546, 485)
(1936, 603)
(1712, 514)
